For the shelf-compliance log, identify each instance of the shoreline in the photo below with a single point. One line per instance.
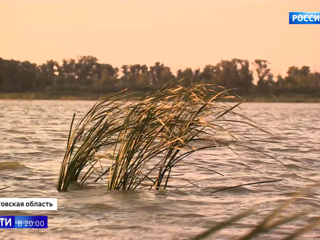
(284, 98)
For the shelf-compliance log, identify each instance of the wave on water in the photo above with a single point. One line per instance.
(10, 165)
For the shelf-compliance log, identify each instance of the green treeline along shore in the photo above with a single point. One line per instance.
(86, 78)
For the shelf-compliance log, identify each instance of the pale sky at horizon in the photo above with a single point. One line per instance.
(179, 34)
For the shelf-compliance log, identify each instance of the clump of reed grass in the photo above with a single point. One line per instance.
(131, 143)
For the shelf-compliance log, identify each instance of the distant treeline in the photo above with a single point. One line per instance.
(86, 74)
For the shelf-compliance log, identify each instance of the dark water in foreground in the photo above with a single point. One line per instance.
(32, 142)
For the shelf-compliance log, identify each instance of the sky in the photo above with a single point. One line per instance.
(178, 34)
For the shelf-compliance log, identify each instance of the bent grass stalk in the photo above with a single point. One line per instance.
(137, 143)
(275, 219)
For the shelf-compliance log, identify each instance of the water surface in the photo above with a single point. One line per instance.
(33, 138)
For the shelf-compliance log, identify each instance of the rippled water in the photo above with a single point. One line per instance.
(32, 142)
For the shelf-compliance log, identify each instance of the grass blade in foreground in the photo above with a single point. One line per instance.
(275, 219)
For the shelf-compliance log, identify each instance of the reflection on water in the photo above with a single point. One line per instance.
(32, 143)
